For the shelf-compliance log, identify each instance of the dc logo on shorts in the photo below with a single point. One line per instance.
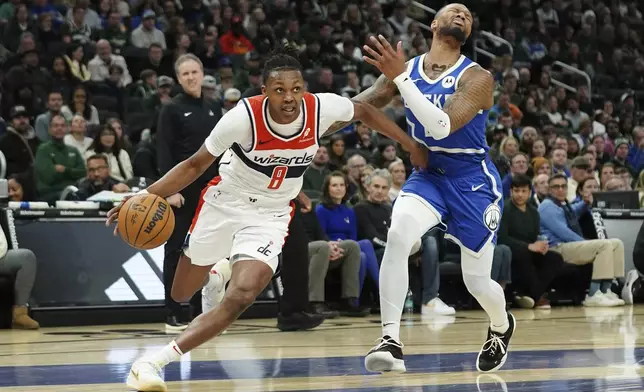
(492, 217)
(448, 81)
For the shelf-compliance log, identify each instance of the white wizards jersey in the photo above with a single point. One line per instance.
(269, 173)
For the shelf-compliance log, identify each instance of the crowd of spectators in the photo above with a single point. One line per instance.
(83, 82)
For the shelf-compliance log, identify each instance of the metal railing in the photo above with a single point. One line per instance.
(578, 72)
(501, 41)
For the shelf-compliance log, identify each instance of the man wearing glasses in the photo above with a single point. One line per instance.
(559, 223)
(99, 179)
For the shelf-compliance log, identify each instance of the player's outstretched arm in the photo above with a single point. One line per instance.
(377, 120)
(173, 181)
(183, 174)
(475, 91)
(378, 95)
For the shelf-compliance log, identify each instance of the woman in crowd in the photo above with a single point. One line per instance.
(586, 187)
(75, 59)
(538, 149)
(541, 165)
(337, 157)
(77, 135)
(339, 222)
(108, 144)
(21, 188)
(398, 177)
(80, 104)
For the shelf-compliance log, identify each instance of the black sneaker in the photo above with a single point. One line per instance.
(495, 349)
(351, 308)
(173, 325)
(300, 321)
(387, 356)
(321, 308)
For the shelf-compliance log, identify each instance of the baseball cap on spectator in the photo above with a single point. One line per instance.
(209, 82)
(620, 142)
(18, 111)
(149, 14)
(165, 81)
(232, 95)
(580, 163)
(628, 94)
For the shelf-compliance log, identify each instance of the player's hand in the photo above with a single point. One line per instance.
(59, 168)
(113, 215)
(419, 156)
(176, 200)
(307, 204)
(389, 61)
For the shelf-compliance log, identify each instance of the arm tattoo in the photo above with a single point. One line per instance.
(474, 93)
(377, 95)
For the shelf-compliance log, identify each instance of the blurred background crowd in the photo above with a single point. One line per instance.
(83, 82)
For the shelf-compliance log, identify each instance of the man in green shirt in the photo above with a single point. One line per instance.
(57, 164)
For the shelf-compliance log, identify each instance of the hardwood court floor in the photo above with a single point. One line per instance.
(566, 349)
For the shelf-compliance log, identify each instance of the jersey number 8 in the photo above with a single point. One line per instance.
(278, 176)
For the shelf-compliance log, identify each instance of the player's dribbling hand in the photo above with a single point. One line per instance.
(389, 61)
(113, 215)
(176, 200)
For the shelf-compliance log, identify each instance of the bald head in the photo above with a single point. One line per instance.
(103, 49)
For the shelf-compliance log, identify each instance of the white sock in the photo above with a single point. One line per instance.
(169, 353)
(409, 221)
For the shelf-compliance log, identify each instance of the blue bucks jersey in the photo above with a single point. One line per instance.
(461, 149)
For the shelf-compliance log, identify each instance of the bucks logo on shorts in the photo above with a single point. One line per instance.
(492, 217)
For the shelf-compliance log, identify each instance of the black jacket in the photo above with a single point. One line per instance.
(373, 221)
(183, 126)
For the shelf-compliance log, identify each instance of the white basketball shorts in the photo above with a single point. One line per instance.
(229, 227)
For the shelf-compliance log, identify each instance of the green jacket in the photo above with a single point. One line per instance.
(50, 182)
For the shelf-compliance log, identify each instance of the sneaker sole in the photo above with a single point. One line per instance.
(172, 328)
(627, 293)
(137, 385)
(507, 352)
(384, 362)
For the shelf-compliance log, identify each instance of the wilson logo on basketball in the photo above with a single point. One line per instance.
(158, 216)
(277, 160)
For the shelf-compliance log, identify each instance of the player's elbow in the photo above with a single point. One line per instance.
(363, 111)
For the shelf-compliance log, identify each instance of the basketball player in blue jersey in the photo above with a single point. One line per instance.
(447, 97)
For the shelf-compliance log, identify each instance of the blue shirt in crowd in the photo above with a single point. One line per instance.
(554, 224)
(338, 222)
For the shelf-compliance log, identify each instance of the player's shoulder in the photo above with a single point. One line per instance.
(331, 100)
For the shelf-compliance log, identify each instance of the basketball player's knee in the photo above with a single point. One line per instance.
(398, 236)
(477, 285)
(240, 297)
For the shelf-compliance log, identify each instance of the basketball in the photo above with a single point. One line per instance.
(146, 221)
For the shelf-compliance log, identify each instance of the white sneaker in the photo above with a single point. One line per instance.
(615, 298)
(627, 291)
(599, 300)
(438, 307)
(213, 292)
(146, 377)
(524, 302)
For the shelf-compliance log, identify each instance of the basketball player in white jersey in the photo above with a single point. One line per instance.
(266, 143)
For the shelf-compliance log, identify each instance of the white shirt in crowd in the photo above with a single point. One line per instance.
(82, 146)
